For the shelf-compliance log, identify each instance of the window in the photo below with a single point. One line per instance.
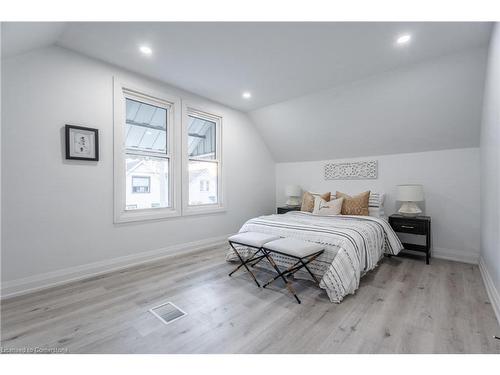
(165, 164)
(146, 152)
(145, 162)
(202, 161)
(140, 184)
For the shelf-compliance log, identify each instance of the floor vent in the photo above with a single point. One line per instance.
(167, 312)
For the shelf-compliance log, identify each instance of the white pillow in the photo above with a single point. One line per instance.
(376, 212)
(376, 200)
(324, 208)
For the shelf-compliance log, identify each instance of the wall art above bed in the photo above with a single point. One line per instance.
(359, 170)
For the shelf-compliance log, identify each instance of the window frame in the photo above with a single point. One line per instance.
(123, 90)
(204, 113)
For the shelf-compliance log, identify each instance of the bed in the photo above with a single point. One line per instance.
(353, 246)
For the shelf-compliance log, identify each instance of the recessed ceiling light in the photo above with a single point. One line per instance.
(146, 50)
(403, 39)
(246, 95)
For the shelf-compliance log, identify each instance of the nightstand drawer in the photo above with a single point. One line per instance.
(408, 226)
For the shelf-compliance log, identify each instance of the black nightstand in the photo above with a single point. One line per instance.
(420, 225)
(285, 209)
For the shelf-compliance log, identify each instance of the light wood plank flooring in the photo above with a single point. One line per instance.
(403, 306)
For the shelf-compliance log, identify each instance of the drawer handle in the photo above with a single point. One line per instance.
(407, 227)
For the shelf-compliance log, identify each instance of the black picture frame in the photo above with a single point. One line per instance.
(69, 129)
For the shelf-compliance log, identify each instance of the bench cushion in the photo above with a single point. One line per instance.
(291, 246)
(253, 239)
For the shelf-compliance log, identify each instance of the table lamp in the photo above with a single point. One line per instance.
(409, 195)
(293, 192)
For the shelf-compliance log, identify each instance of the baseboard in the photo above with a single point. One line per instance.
(39, 282)
(493, 292)
(455, 255)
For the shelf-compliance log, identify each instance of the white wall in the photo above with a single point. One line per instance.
(490, 174)
(433, 105)
(59, 214)
(451, 184)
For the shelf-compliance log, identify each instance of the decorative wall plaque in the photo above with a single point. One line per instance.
(360, 170)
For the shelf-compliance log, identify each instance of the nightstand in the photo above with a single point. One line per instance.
(285, 209)
(420, 225)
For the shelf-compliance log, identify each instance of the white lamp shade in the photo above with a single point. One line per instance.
(293, 191)
(410, 193)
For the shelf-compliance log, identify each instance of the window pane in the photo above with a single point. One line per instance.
(202, 183)
(147, 182)
(201, 138)
(146, 127)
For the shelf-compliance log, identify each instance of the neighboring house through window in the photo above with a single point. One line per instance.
(141, 184)
(204, 185)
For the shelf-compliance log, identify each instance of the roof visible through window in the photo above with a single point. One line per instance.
(145, 127)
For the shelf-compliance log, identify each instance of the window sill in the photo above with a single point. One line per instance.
(145, 215)
(201, 210)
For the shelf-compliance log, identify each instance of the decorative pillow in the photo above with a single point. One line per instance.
(324, 208)
(357, 205)
(376, 199)
(376, 212)
(308, 200)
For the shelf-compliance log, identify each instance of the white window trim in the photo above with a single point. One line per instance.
(121, 215)
(199, 110)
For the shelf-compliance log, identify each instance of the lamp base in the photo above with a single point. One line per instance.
(293, 201)
(409, 209)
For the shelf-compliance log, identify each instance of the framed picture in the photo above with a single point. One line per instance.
(82, 143)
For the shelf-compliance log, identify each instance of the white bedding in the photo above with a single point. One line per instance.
(353, 246)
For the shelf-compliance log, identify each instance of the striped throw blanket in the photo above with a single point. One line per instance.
(353, 246)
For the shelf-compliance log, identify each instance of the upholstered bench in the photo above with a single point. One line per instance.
(254, 240)
(302, 251)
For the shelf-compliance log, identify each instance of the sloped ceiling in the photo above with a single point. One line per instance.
(320, 90)
(274, 61)
(428, 106)
(19, 37)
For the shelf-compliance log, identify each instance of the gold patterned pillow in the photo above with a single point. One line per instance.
(356, 205)
(308, 200)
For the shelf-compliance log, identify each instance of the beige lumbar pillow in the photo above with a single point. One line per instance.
(308, 200)
(356, 205)
(324, 208)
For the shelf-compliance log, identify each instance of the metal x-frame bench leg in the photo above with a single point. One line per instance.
(253, 260)
(301, 263)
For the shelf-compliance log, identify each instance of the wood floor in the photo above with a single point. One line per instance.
(403, 306)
